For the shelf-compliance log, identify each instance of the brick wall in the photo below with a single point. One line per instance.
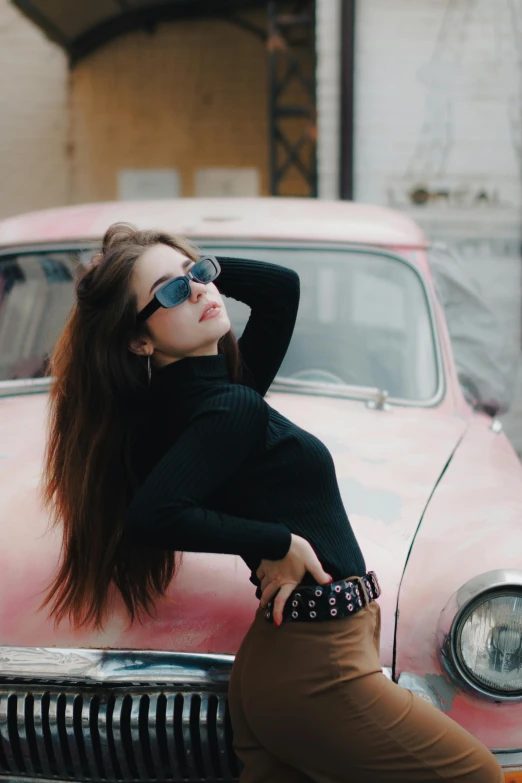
(33, 117)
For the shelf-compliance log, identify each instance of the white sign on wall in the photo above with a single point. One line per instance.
(222, 182)
(144, 184)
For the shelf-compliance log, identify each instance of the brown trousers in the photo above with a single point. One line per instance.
(309, 702)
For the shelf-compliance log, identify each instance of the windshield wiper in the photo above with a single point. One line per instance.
(375, 398)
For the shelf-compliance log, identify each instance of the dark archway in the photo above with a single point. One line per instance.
(82, 27)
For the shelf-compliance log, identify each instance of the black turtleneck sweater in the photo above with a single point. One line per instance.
(224, 472)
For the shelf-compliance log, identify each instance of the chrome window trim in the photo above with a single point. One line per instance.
(481, 585)
(509, 758)
(27, 386)
(74, 245)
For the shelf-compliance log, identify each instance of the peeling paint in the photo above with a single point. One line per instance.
(379, 504)
(443, 688)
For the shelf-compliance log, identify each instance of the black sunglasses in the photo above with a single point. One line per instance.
(176, 291)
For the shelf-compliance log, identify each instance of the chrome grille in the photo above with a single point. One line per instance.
(130, 734)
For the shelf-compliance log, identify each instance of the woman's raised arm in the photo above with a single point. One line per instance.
(272, 293)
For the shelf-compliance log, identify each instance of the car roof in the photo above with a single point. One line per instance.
(272, 219)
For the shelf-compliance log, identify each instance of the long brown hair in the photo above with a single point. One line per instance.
(95, 401)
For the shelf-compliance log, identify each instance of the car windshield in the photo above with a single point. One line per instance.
(363, 320)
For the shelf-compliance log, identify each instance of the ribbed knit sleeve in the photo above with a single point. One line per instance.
(272, 293)
(169, 508)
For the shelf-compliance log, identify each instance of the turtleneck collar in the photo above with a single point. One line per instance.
(192, 369)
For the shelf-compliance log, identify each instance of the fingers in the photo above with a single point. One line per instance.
(266, 581)
(315, 568)
(323, 578)
(268, 593)
(280, 601)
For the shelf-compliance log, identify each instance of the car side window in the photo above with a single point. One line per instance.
(36, 295)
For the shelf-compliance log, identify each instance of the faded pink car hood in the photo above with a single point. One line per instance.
(387, 462)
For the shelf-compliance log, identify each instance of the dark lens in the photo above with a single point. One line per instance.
(205, 270)
(174, 293)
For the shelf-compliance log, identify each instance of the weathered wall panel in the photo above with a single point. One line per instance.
(328, 74)
(33, 117)
(191, 95)
(439, 133)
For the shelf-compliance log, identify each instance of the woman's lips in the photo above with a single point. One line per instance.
(211, 311)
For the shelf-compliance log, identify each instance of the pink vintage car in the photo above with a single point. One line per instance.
(430, 482)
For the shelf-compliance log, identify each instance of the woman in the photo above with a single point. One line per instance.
(157, 408)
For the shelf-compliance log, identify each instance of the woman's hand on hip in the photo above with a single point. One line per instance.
(280, 577)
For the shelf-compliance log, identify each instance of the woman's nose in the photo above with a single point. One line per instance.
(197, 290)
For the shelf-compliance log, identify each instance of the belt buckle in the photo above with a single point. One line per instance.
(359, 579)
(374, 583)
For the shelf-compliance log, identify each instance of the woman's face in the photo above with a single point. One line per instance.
(184, 330)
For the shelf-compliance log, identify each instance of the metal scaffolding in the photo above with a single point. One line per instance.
(292, 107)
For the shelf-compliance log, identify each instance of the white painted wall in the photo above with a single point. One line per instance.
(328, 95)
(33, 117)
(439, 114)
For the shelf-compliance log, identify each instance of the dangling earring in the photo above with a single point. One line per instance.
(149, 371)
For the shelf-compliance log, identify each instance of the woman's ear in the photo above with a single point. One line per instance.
(141, 346)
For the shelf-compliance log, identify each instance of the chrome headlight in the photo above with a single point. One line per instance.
(481, 647)
(488, 643)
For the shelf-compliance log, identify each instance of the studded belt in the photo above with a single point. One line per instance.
(326, 602)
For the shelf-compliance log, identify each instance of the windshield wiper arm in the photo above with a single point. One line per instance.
(376, 398)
